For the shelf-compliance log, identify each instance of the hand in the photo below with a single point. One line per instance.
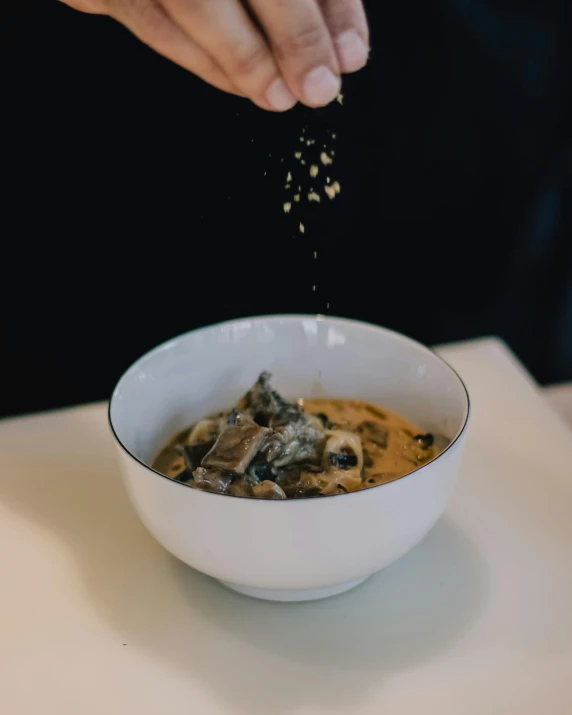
(275, 52)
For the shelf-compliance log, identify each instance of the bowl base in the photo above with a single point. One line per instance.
(294, 594)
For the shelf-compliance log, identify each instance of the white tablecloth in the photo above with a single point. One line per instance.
(97, 619)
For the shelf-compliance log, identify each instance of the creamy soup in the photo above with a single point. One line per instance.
(269, 447)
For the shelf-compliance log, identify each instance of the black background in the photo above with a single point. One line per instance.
(139, 203)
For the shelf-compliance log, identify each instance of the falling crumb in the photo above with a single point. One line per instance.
(301, 139)
(289, 178)
(340, 98)
(302, 229)
(287, 186)
(264, 173)
(299, 188)
(282, 160)
(328, 306)
(302, 162)
(313, 196)
(330, 191)
(313, 288)
(287, 207)
(314, 170)
(298, 155)
(325, 159)
(327, 179)
(296, 197)
(315, 254)
(336, 187)
(333, 137)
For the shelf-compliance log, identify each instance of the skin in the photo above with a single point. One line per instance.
(275, 52)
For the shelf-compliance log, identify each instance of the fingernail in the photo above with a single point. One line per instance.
(279, 96)
(320, 87)
(352, 52)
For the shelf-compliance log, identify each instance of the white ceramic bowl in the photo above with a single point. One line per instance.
(294, 549)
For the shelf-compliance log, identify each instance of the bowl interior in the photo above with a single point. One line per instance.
(209, 369)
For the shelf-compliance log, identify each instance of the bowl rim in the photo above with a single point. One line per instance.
(295, 317)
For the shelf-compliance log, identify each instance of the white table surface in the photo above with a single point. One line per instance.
(96, 618)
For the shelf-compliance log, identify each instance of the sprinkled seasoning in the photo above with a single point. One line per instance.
(315, 152)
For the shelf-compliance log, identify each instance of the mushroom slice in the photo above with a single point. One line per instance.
(212, 480)
(340, 448)
(342, 482)
(243, 486)
(268, 490)
(236, 446)
(203, 431)
(195, 453)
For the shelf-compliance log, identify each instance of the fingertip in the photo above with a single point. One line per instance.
(351, 50)
(320, 87)
(279, 97)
